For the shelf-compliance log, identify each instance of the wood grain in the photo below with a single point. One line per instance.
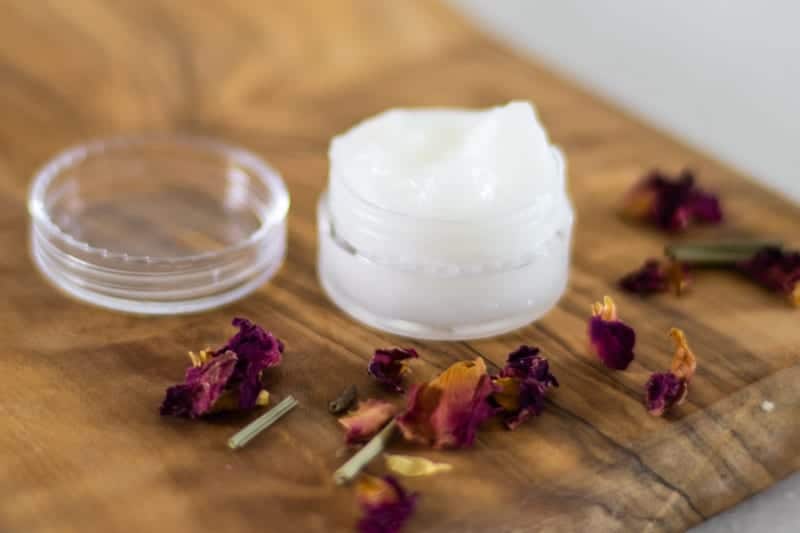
(82, 447)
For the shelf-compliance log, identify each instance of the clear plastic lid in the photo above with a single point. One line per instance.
(158, 225)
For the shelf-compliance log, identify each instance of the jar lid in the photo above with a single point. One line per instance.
(158, 225)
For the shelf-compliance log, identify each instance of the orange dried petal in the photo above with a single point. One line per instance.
(684, 362)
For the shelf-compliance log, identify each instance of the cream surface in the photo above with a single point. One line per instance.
(449, 163)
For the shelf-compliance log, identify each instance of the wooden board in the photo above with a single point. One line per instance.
(82, 447)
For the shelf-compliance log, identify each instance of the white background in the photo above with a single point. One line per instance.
(722, 75)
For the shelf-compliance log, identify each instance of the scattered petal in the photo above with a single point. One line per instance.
(655, 277)
(388, 366)
(199, 359)
(526, 363)
(611, 339)
(777, 270)
(663, 391)
(684, 362)
(228, 378)
(666, 390)
(767, 406)
(411, 466)
(202, 387)
(679, 277)
(363, 423)
(385, 503)
(257, 350)
(446, 412)
(671, 204)
(521, 386)
(229, 400)
(344, 401)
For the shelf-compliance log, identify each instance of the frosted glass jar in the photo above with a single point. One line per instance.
(444, 279)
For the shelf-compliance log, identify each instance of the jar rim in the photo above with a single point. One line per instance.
(520, 212)
(276, 209)
(212, 265)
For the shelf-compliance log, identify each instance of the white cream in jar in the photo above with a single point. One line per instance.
(445, 223)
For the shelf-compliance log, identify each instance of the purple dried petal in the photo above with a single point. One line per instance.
(388, 366)
(672, 204)
(521, 386)
(663, 391)
(256, 350)
(776, 270)
(385, 503)
(613, 342)
(654, 277)
(650, 278)
(526, 363)
(202, 388)
(705, 207)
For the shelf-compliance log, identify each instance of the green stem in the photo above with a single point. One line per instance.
(365, 455)
(261, 423)
(720, 253)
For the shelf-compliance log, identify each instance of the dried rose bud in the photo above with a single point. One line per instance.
(776, 270)
(611, 339)
(385, 503)
(256, 351)
(446, 411)
(388, 367)
(368, 418)
(655, 276)
(521, 386)
(671, 204)
(202, 387)
(666, 390)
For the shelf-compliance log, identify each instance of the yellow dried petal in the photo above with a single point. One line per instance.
(199, 359)
(263, 398)
(411, 466)
(507, 393)
(684, 363)
(606, 310)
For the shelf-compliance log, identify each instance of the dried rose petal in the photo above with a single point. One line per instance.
(526, 363)
(256, 350)
(411, 466)
(671, 204)
(521, 386)
(203, 385)
(684, 362)
(368, 418)
(663, 391)
(666, 390)
(388, 366)
(776, 270)
(446, 412)
(648, 279)
(655, 277)
(611, 339)
(385, 503)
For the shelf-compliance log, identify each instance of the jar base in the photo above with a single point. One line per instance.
(420, 331)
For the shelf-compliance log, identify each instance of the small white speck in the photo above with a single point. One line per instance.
(767, 406)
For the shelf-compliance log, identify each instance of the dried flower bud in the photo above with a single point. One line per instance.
(611, 339)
